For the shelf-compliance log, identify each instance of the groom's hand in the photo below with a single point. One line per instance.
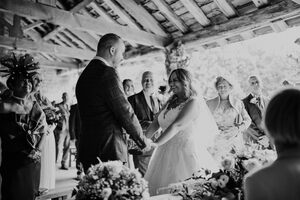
(149, 145)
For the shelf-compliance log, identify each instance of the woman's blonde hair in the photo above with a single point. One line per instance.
(282, 117)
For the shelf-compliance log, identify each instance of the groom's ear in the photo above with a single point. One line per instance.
(112, 50)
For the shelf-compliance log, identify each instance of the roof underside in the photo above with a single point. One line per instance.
(64, 33)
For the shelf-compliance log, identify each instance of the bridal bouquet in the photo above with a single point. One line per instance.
(112, 181)
(52, 115)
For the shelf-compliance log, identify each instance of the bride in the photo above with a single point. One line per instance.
(188, 129)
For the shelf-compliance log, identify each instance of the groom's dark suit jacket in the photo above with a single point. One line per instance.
(104, 110)
(255, 113)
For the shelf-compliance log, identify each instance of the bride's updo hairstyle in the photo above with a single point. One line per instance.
(186, 79)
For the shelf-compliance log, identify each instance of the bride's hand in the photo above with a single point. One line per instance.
(149, 146)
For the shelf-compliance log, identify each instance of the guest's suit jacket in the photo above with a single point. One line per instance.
(142, 109)
(255, 113)
(145, 116)
(279, 181)
(104, 110)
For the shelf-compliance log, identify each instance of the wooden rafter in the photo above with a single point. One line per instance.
(279, 10)
(279, 26)
(122, 14)
(226, 7)
(79, 22)
(33, 25)
(43, 47)
(81, 5)
(142, 16)
(58, 65)
(296, 1)
(170, 15)
(197, 13)
(260, 3)
(104, 14)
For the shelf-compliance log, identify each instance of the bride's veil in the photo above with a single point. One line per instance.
(205, 125)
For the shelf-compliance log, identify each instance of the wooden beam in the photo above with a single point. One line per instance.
(33, 25)
(81, 5)
(87, 38)
(102, 13)
(296, 1)
(142, 16)
(16, 30)
(260, 3)
(123, 15)
(58, 65)
(279, 26)
(43, 47)
(197, 13)
(170, 15)
(106, 16)
(279, 9)
(79, 22)
(247, 35)
(226, 7)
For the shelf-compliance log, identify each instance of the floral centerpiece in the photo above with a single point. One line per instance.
(227, 183)
(111, 181)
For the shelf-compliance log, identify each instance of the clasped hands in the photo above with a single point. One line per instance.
(149, 145)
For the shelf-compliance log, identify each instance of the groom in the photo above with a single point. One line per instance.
(104, 109)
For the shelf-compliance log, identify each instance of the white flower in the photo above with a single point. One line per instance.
(251, 164)
(254, 100)
(106, 192)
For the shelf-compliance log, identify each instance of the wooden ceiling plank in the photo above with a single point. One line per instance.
(79, 22)
(122, 14)
(43, 47)
(142, 16)
(226, 8)
(57, 65)
(81, 5)
(32, 25)
(296, 1)
(279, 10)
(260, 3)
(279, 26)
(102, 13)
(197, 13)
(107, 17)
(75, 9)
(170, 15)
(72, 36)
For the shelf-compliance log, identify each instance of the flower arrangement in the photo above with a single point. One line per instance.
(112, 181)
(226, 184)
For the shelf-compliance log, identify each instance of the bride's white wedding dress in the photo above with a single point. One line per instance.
(185, 153)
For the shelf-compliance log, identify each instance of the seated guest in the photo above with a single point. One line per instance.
(230, 116)
(280, 180)
(255, 103)
(145, 106)
(128, 87)
(23, 124)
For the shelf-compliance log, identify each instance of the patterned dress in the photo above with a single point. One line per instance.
(20, 135)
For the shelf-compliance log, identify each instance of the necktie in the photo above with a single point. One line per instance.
(153, 105)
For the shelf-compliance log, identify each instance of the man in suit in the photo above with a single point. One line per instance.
(128, 87)
(104, 109)
(75, 131)
(145, 106)
(61, 132)
(255, 103)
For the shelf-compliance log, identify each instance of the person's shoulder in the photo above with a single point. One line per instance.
(261, 174)
(247, 98)
(212, 100)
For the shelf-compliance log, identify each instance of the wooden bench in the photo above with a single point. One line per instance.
(57, 193)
